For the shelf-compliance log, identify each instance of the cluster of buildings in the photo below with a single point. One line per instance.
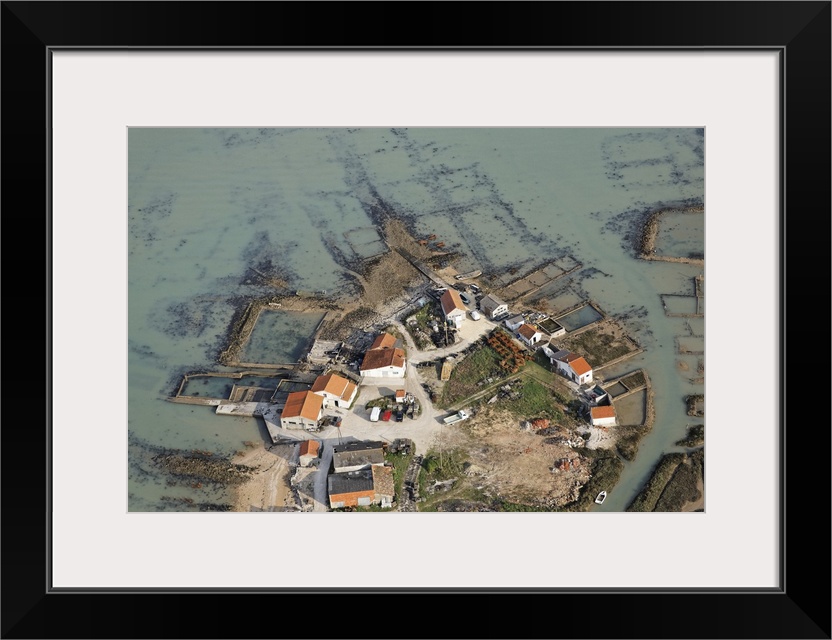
(572, 366)
(304, 409)
(360, 476)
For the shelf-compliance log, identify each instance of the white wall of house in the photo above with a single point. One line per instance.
(298, 422)
(603, 422)
(331, 400)
(585, 378)
(564, 368)
(533, 340)
(495, 311)
(514, 326)
(384, 372)
(456, 317)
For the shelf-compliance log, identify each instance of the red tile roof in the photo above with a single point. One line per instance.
(450, 301)
(400, 393)
(607, 411)
(334, 384)
(378, 358)
(309, 447)
(579, 365)
(304, 404)
(527, 331)
(383, 341)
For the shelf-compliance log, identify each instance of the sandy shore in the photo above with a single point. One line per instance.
(268, 489)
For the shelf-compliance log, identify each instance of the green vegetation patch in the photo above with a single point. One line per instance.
(536, 401)
(399, 463)
(681, 488)
(635, 379)
(649, 496)
(423, 318)
(606, 471)
(694, 438)
(696, 405)
(476, 367)
(598, 347)
(628, 440)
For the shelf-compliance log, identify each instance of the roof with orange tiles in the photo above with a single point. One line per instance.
(607, 411)
(334, 384)
(383, 341)
(527, 331)
(378, 358)
(400, 393)
(309, 448)
(579, 366)
(451, 301)
(304, 404)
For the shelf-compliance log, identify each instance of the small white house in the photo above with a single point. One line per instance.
(602, 416)
(529, 334)
(514, 322)
(309, 450)
(572, 366)
(335, 390)
(453, 308)
(303, 410)
(493, 307)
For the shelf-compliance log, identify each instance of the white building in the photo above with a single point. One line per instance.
(529, 334)
(335, 390)
(452, 307)
(303, 410)
(493, 307)
(572, 366)
(383, 359)
(602, 416)
(514, 322)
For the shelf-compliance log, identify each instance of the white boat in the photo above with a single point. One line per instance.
(599, 499)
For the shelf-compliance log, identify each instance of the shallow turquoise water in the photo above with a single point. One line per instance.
(208, 205)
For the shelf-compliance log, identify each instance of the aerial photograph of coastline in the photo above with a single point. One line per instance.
(416, 319)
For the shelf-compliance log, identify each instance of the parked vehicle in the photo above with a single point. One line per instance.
(599, 499)
(464, 298)
(374, 414)
(386, 415)
(475, 315)
(457, 417)
(400, 416)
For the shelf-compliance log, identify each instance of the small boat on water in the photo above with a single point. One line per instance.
(599, 499)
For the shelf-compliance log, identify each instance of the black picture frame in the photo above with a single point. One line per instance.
(799, 31)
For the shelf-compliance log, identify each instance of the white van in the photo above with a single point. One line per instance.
(475, 315)
(374, 414)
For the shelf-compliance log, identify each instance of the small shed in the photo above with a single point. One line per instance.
(603, 416)
(309, 450)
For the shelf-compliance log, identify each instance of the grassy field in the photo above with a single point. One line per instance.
(535, 401)
(475, 368)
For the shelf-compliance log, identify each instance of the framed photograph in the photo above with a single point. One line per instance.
(506, 136)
